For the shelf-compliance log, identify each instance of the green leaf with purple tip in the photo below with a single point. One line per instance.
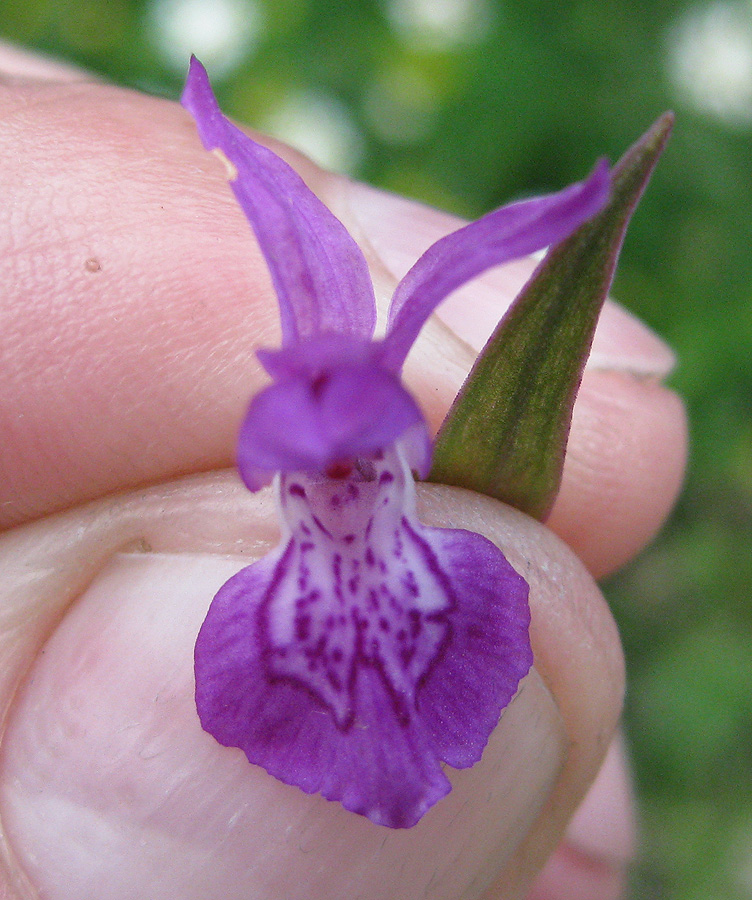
(506, 432)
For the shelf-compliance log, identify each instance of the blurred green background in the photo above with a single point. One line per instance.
(465, 104)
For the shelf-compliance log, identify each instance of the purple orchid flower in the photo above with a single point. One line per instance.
(366, 649)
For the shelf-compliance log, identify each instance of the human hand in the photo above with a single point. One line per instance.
(134, 300)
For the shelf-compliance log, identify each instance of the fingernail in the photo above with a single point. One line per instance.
(395, 232)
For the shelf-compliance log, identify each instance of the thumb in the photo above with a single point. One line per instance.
(110, 789)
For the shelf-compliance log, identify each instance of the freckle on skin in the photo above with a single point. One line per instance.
(93, 265)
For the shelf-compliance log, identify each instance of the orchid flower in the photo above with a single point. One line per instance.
(367, 649)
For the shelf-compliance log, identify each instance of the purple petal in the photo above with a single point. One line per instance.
(317, 355)
(381, 771)
(508, 233)
(490, 649)
(365, 652)
(321, 415)
(319, 273)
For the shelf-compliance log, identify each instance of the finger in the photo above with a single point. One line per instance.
(109, 787)
(18, 63)
(592, 860)
(137, 297)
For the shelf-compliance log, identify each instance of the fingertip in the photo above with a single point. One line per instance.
(623, 470)
(107, 711)
(570, 875)
(591, 862)
(19, 63)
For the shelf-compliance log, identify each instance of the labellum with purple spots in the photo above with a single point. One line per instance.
(367, 650)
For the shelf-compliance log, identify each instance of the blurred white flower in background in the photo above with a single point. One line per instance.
(710, 60)
(319, 125)
(440, 24)
(220, 32)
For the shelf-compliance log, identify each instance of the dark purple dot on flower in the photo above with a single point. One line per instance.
(386, 478)
(400, 710)
(353, 491)
(384, 624)
(406, 655)
(401, 635)
(302, 627)
(340, 469)
(370, 558)
(319, 382)
(353, 584)
(410, 584)
(337, 654)
(296, 490)
(322, 528)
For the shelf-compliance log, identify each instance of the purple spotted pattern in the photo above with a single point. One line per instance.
(354, 603)
(367, 651)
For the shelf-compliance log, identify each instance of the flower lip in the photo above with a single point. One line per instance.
(367, 650)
